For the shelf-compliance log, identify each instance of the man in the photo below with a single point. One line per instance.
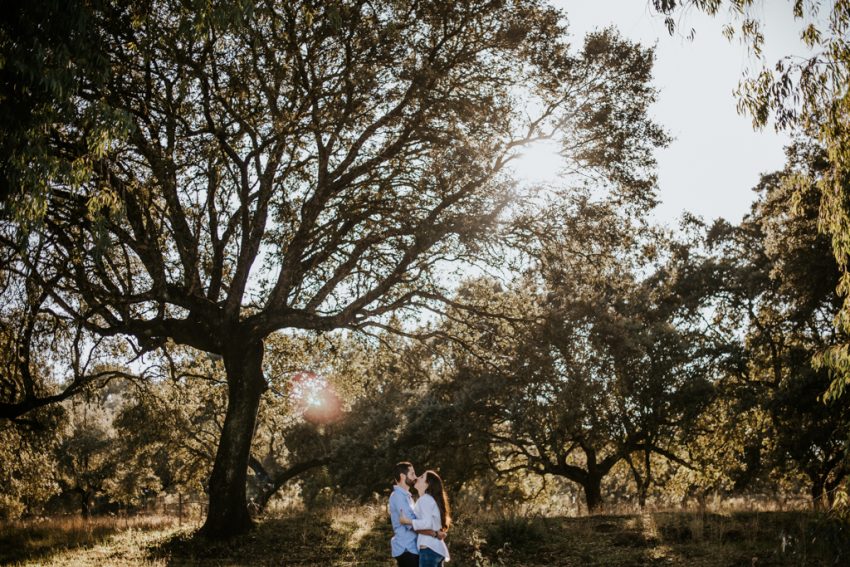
(403, 544)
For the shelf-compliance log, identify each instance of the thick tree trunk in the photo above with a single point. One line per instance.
(228, 507)
(593, 493)
(85, 502)
(817, 493)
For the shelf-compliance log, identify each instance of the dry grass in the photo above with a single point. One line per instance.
(359, 535)
(73, 540)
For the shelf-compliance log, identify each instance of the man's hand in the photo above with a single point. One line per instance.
(441, 535)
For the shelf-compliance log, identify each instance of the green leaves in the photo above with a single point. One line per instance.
(48, 52)
(809, 97)
(778, 295)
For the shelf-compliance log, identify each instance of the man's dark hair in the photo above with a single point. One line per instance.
(401, 469)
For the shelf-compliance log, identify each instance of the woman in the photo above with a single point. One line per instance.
(432, 513)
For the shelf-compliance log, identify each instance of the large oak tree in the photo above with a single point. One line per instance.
(308, 165)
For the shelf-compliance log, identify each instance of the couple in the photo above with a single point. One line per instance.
(419, 529)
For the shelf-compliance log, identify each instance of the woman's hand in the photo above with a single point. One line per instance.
(404, 520)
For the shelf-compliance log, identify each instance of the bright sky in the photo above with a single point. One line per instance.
(716, 157)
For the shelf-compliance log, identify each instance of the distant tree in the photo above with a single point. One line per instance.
(390, 385)
(96, 459)
(811, 97)
(775, 281)
(307, 166)
(28, 453)
(171, 427)
(606, 368)
(87, 458)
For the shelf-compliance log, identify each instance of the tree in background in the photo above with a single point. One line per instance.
(811, 97)
(313, 382)
(172, 427)
(28, 453)
(599, 366)
(774, 280)
(87, 458)
(306, 166)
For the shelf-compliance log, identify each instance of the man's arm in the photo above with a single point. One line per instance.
(404, 520)
(395, 511)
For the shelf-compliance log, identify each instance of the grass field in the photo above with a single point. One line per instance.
(360, 535)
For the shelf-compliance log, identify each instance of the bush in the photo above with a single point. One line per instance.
(515, 531)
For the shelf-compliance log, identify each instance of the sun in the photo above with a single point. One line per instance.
(540, 162)
(314, 398)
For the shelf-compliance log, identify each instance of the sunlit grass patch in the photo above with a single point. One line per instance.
(357, 521)
(341, 535)
(46, 542)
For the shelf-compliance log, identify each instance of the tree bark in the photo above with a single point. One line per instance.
(641, 480)
(228, 506)
(85, 503)
(817, 493)
(593, 492)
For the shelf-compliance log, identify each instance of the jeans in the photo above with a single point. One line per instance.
(407, 559)
(429, 558)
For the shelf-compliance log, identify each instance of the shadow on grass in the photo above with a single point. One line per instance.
(675, 538)
(318, 538)
(536, 541)
(39, 541)
(758, 538)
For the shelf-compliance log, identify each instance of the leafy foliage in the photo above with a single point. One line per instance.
(773, 283)
(809, 96)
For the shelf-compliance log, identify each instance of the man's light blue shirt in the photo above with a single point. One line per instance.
(404, 538)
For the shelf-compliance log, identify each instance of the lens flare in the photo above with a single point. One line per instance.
(314, 398)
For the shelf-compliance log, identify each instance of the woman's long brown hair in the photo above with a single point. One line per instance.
(435, 489)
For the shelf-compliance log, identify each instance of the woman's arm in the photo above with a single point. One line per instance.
(429, 516)
(404, 520)
(433, 533)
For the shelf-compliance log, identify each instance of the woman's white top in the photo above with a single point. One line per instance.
(428, 518)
